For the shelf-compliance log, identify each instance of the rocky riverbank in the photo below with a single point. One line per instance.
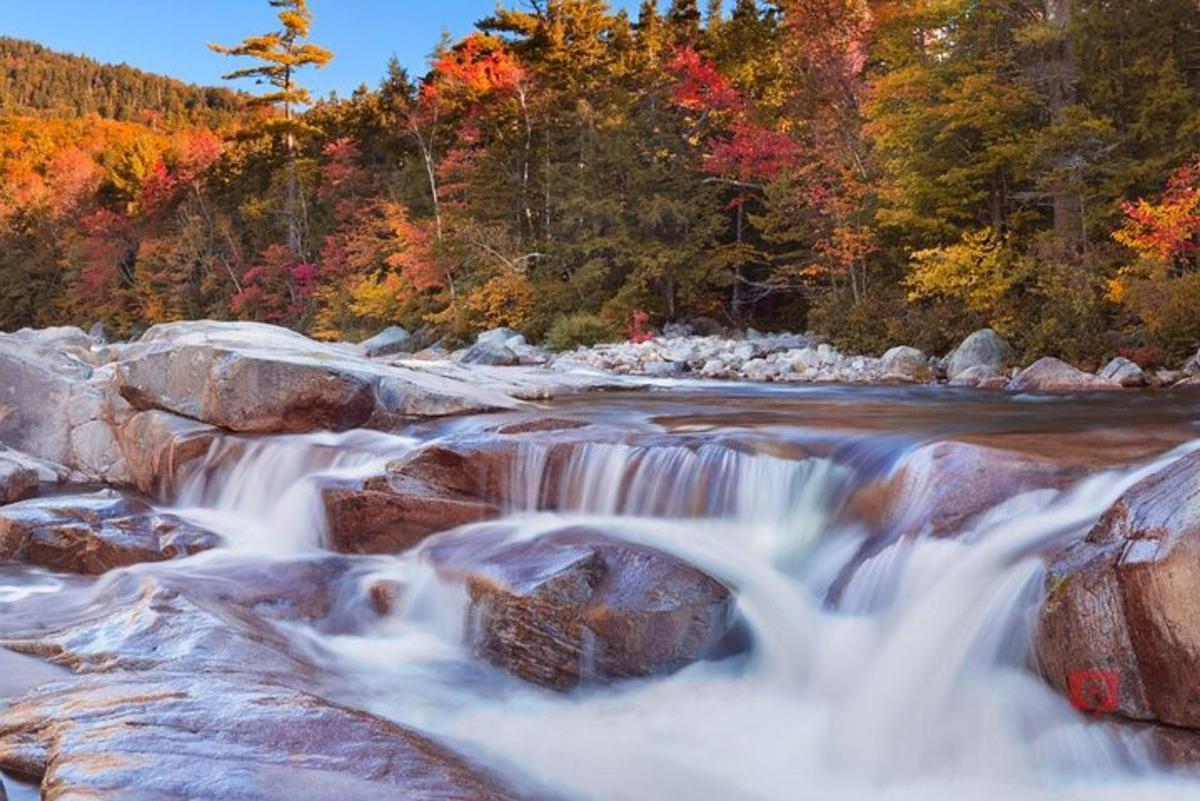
(983, 359)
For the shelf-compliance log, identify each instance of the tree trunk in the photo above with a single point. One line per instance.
(1061, 73)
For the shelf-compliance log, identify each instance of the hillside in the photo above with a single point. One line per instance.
(37, 81)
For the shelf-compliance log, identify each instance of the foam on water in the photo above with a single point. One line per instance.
(914, 686)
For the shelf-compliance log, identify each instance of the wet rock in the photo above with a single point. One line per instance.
(1124, 599)
(93, 534)
(18, 480)
(388, 342)
(158, 444)
(261, 378)
(1054, 375)
(1124, 372)
(437, 487)
(211, 616)
(578, 605)
(541, 424)
(937, 490)
(903, 363)
(984, 348)
(394, 512)
(175, 738)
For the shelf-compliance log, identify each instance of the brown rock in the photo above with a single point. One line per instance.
(1125, 598)
(157, 444)
(540, 424)
(93, 534)
(183, 738)
(17, 481)
(938, 489)
(578, 605)
(394, 512)
(1054, 375)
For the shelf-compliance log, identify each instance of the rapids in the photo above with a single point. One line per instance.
(880, 665)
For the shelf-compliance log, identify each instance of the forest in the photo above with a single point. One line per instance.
(879, 171)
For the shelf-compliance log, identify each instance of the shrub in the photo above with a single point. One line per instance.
(581, 328)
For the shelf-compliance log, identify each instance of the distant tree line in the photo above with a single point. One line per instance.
(881, 171)
(37, 81)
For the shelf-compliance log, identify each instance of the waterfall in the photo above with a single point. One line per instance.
(264, 494)
(781, 506)
(911, 683)
(921, 693)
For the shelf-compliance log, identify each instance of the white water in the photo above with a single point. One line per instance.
(914, 686)
(264, 494)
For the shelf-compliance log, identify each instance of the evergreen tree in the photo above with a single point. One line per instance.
(282, 54)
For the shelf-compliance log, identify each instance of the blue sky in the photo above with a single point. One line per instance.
(169, 36)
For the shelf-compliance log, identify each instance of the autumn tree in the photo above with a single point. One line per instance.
(282, 54)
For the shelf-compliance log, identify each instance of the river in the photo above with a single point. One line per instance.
(883, 659)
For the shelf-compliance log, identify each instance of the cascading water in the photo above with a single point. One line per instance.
(910, 682)
(264, 494)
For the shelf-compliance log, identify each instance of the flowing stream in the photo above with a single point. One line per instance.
(879, 667)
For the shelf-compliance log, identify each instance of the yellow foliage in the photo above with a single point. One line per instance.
(504, 300)
(979, 271)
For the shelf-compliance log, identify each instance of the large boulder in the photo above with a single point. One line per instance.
(260, 378)
(388, 342)
(93, 534)
(984, 348)
(491, 352)
(903, 363)
(56, 406)
(1054, 375)
(1125, 600)
(179, 738)
(1124, 372)
(577, 605)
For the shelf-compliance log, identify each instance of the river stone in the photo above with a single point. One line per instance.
(1123, 372)
(92, 534)
(577, 605)
(984, 348)
(181, 738)
(1125, 599)
(1049, 374)
(389, 341)
(903, 363)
